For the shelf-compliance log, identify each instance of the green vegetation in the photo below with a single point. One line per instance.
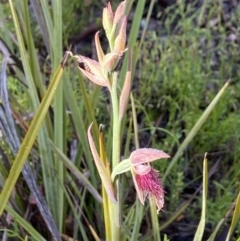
(180, 104)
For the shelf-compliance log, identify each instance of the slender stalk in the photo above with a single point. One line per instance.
(115, 158)
(154, 219)
(116, 123)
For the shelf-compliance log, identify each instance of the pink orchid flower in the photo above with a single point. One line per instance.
(146, 179)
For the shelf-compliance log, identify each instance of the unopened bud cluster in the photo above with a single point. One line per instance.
(114, 25)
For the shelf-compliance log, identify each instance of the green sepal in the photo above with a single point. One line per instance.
(121, 167)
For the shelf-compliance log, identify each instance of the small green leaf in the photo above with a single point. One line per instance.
(121, 167)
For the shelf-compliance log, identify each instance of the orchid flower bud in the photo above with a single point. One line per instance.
(120, 40)
(126, 87)
(120, 12)
(93, 71)
(110, 61)
(107, 18)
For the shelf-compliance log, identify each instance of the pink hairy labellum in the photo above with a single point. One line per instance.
(150, 186)
(146, 179)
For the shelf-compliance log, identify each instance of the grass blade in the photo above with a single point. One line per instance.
(226, 216)
(35, 4)
(186, 203)
(139, 206)
(133, 36)
(27, 226)
(106, 205)
(235, 218)
(80, 128)
(59, 109)
(29, 140)
(9, 130)
(50, 183)
(199, 233)
(195, 129)
(76, 172)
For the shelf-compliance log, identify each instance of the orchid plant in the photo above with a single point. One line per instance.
(103, 72)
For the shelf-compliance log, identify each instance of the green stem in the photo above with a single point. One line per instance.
(154, 218)
(116, 224)
(116, 123)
